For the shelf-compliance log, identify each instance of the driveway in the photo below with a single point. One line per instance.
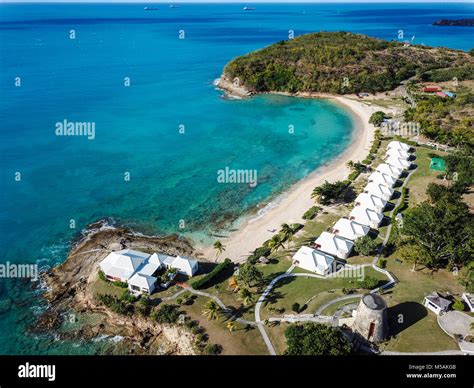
(456, 322)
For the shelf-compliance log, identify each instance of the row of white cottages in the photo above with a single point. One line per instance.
(367, 214)
(138, 269)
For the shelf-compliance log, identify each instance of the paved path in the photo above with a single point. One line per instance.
(440, 353)
(340, 299)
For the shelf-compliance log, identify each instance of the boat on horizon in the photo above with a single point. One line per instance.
(150, 9)
(248, 8)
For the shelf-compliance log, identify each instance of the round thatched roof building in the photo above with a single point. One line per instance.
(371, 318)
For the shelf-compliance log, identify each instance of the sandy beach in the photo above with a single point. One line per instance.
(254, 231)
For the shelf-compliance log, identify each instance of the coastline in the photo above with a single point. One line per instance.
(253, 232)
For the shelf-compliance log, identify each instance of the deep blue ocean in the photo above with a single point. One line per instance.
(140, 169)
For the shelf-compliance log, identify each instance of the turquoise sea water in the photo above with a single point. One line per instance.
(172, 175)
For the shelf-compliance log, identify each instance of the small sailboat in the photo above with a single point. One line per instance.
(248, 8)
(150, 9)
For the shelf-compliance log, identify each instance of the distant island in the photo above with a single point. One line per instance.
(335, 62)
(457, 23)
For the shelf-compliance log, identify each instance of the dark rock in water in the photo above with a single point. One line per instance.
(456, 23)
(5, 305)
(49, 320)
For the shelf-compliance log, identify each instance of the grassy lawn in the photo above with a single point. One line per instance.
(423, 175)
(301, 289)
(240, 341)
(419, 331)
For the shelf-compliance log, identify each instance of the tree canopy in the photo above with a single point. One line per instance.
(313, 339)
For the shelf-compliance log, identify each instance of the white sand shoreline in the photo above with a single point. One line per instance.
(295, 201)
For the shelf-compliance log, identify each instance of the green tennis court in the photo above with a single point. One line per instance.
(438, 164)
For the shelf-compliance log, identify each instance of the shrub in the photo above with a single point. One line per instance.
(213, 349)
(368, 283)
(179, 300)
(120, 284)
(102, 276)
(382, 263)
(295, 307)
(115, 304)
(311, 213)
(167, 314)
(365, 245)
(127, 297)
(458, 305)
(353, 175)
(207, 279)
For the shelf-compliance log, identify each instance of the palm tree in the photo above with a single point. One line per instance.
(219, 248)
(288, 233)
(275, 243)
(212, 310)
(231, 326)
(350, 164)
(245, 296)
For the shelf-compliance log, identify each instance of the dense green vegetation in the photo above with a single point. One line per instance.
(337, 62)
(206, 280)
(312, 339)
(336, 192)
(446, 120)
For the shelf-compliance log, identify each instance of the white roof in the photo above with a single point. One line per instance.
(332, 244)
(390, 170)
(350, 229)
(183, 264)
(142, 281)
(122, 264)
(366, 216)
(148, 268)
(370, 201)
(398, 153)
(313, 260)
(157, 258)
(398, 145)
(397, 162)
(380, 177)
(379, 190)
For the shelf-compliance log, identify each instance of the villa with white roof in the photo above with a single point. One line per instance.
(379, 190)
(313, 260)
(366, 216)
(398, 162)
(350, 230)
(370, 201)
(384, 179)
(389, 170)
(398, 145)
(334, 245)
(139, 269)
(391, 152)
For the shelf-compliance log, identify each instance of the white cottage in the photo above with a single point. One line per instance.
(391, 152)
(350, 230)
(365, 216)
(384, 179)
(436, 303)
(313, 260)
(141, 283)
(379, 190)
(398, 145)
(184, 265)
(390, 170)
(370, 201)
(121, 265)
(398, 162)
(334, 245)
